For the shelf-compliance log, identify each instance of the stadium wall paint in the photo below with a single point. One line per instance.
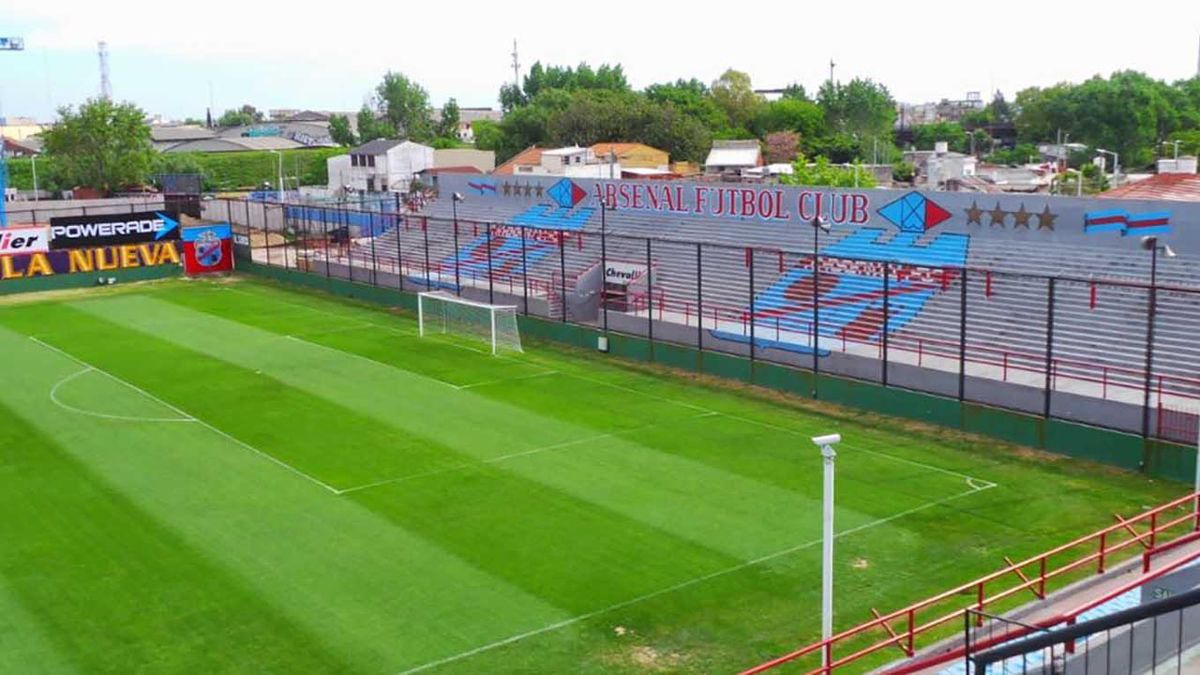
(83, 280)
(1155, 458)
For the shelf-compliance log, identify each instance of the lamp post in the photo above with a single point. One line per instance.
(1151, 244)
(818, 223)
(279, 185)
(33, 164)
(1176, 144)
(454, 200)
(1116, 163)
(828, 455)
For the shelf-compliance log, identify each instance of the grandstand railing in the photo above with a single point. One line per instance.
(977, 323)
(1033, 578)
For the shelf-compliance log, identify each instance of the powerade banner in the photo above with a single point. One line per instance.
(84, 260)
(112, 229)
(19, 240)
(208, 249)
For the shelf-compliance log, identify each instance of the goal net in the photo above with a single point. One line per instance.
(443, 312)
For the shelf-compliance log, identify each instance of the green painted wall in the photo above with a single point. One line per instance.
(1156, 458)
(60, 281)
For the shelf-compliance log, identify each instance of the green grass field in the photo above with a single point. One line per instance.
(229, 476)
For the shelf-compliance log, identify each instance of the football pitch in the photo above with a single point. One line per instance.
(230, 476)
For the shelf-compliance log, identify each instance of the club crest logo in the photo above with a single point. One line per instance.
(914, 212)
(208, 249)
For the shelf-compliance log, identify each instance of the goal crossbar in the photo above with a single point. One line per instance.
(444, 312)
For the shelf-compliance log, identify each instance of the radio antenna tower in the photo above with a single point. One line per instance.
(516, 65)
(105, 84)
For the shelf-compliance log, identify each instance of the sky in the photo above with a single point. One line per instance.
(173, 59)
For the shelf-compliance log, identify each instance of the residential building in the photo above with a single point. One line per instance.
(20, 128)
(166, 137)
(483, 161)
(1182, 185)
(573, 161)
(25, 148)
(935, 167)
(386, 165)
(531, 156)
(732, 158)
(634, 155)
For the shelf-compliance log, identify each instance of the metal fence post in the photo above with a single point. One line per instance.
(491, 291)
(562, 273)
(374, 259)
(887, 273)
(1049, 346)
(750, 262)
(699, 297)
(325, 237)
(1150, 316)
(649, 297)
(425, 234)
(524, 272)
(604, 266)
(816, 316)
(458, 255)
(399, 254)
(962, 337)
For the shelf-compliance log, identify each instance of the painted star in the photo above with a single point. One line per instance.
(1021, 217)
(538, 190)
(974, 214)
(997, 215)
(507, 189)
(528, 190)
(1046, 219)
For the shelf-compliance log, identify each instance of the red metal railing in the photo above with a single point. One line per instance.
(1102, 548)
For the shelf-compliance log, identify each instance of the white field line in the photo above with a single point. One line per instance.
(685, 584)
(506, 380)
(505, 458)
(107, 416)
(197, 420)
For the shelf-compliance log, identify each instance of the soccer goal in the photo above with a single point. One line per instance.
(442, 312)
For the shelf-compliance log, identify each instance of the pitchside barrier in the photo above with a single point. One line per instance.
(1046, 361)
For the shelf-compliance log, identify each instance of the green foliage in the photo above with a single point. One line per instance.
(734, 94)
(1023, 153)
(691, 98)
(599, 115)
(105, 146)
(240, 117)
(20, 174)
(447, 126)
(790, 114)
(371, 126)
(822, 173)
(925, 136)
(903, 172)
(862, 108)
(1189, 143)
(248, 170)
(446, 143)
(405, 106)
(339, 131)
(488, 135)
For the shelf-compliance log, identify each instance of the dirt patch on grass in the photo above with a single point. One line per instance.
(65, 294)
(646, 658)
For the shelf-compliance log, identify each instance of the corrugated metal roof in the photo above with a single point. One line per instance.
(1179, 187)
(378, 146)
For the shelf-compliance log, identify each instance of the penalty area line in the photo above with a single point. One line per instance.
(685, 584)
(104, 416)
(193, 418)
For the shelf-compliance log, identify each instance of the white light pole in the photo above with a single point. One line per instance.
(33, 160)
(280, 177)
(1176, 144)
(1116, 163)
(828, 454)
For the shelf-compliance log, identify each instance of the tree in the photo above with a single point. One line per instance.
(487, 135)
(448, 124)
(782, 146)
(822, 173)
(241, 117)
(371, 127)
(862, 108)
(789, 114)
(925, 136)
(691, 98)
(734, 94)
(405, 105)
(339, 130)
(104, 146)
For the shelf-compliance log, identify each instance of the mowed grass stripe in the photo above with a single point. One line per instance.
(373, 593)
(713, 508)
(113, 589)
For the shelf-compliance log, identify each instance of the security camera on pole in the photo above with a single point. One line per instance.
(828, 454)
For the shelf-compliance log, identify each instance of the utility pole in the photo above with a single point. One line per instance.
(516, 66)
(7, 44)
(831, 65)
(105, 84)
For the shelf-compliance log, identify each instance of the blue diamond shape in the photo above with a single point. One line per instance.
(906, 213)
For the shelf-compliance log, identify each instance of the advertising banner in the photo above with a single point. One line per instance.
(19, 240)
(112, 229)
(208, 249)
(85, 260)
(623, 273)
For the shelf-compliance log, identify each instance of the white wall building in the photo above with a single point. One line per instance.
(732, 158)
(380, 166)
(573, 161)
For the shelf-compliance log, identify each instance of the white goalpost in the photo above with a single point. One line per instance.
(444, 312)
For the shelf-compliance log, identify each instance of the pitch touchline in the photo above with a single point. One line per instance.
(685, 584)
(107, 416)
(502, 458)
(191, 417)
